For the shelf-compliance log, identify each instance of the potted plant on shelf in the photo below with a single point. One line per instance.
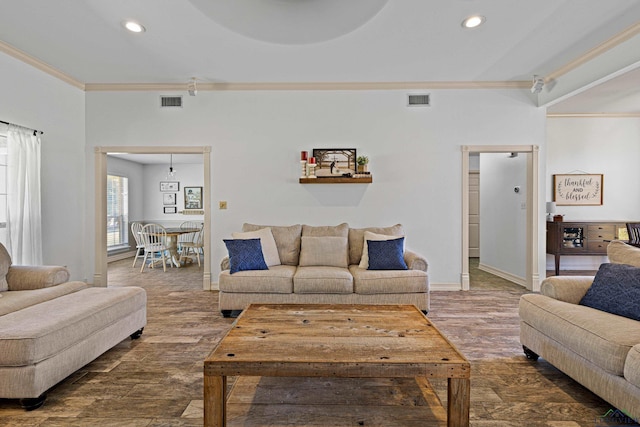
(362, 161)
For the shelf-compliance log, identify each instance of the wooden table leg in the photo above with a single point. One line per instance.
(214, 401)
(458, 402)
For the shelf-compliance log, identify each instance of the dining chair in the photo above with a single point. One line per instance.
(136, 228)
(188, 237)
(196, 244)
(633, 229)
(154, 237)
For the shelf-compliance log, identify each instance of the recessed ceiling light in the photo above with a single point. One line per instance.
(473, 21)
(134, 27)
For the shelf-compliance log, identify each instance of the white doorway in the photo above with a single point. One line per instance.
(532, 257)
(100, 176)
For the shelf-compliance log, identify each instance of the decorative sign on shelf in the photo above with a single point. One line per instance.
(577, 189)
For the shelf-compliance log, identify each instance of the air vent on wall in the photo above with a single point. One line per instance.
(422, 100)
(170, 101)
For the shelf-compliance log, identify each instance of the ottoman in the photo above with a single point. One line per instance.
(42, 344)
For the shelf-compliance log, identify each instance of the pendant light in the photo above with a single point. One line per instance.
(171, 175)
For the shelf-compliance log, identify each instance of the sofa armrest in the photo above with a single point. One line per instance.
(566, 288)
(29, 277)
(224, 264)
(415, 261)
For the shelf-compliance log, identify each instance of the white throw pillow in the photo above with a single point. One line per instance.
(329, 251)
(267, 242)
(364, 261)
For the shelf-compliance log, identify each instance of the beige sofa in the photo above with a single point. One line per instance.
(323, 265)
(50, 327)
(598, 349)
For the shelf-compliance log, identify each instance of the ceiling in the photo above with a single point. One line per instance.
(323, 41)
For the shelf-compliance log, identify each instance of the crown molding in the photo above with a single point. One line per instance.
(593, 115)
(110, 87)
(609, 44)
(40, 65)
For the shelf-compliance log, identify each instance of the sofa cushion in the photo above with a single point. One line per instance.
(245, 254)
(277, 280)
(602, 338)
(39, 332)
(322, 280)
(632, 366)
(386, 254)
(287, 240)
(616, 290)
(356, 239)
(324, 251)
(371, 282)
(341, 230)
(621, 253)
(5, 263)
(267, 242)
(17, 300)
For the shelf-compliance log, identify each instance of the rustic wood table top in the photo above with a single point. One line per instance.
(318, 340)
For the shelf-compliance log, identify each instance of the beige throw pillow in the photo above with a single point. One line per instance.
(364, 261)
(329, 251)
(5, 263)
(267, 242)
(621, 253)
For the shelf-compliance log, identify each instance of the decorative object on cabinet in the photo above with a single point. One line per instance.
(170, 209)
(193, 197)
(363, 162)
(551, 209)
(335, 162)
(169, 186)
(633, 233)
(580, 238)
(169, 199)
(577, 189)
(311, 168)
(303, 163)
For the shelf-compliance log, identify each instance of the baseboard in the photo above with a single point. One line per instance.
(503, 274)
(214, 286)
(444, 286)
(121, 256)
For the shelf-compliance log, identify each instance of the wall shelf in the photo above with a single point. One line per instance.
(337, 180)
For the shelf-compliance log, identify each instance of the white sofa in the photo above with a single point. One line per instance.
(50, 327)
(598, 349)
(307, 273)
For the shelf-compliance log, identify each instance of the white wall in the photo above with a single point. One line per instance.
(503, 217)
(35, 99)
(610, 146)
(256, 138)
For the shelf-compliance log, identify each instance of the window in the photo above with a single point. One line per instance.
(117, 212)
(3, 186)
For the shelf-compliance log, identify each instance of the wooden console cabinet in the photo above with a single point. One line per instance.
(581, 238)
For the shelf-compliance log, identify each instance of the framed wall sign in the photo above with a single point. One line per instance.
(578, 189)
(193, 197)
(169, 186)
(169, 199)
(170, 209)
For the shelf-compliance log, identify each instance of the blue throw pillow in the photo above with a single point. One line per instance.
(386, 254)
(245, 254)
(616, 290)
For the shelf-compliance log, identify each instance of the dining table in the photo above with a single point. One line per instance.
(173, 233)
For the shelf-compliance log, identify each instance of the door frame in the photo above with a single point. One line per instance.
(100, 176)
(532, 261)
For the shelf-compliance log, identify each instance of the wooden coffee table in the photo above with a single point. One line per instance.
(317, 340)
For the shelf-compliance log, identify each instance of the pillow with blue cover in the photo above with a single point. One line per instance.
(386, 254)
(245, 254)
(616, 290)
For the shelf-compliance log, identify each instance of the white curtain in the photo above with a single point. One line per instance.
(24, 218)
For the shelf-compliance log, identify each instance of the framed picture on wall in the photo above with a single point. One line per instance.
(193, 197)
(170, 209)
(169, 186)
(169, 199)
(334, 161)
(578, 189)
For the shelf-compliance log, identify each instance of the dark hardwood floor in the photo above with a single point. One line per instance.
(157, 380)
